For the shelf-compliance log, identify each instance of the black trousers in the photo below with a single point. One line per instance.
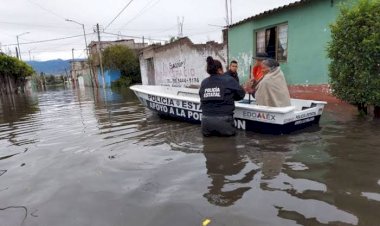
(218, 125)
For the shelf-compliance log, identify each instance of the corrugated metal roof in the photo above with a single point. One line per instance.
(268, 12)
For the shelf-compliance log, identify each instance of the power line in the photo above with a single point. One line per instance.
(141, 12)
(125, 7)
(47, 10)
(47, 40)
(201, 33)
(54, 51)
(153, 32)
(162, 31)
(150, 30)
(128, 36)
(38, 25)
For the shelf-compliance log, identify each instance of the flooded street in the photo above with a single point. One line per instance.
(84, 157)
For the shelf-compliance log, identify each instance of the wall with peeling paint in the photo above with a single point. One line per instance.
(179, 64)
(308, 36)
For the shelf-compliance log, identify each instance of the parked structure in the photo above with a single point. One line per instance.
(180, 63)
(296, 35)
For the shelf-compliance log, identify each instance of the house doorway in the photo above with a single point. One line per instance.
(150, 71)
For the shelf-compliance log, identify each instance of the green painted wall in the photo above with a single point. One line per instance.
(308, 35)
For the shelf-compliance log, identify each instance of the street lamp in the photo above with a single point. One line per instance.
(18, 44)
(84, 33)
(85, 42)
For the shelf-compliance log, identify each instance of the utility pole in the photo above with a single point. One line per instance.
(18, 49)
(231, 11)
(180, 26)
(100, 55)
(30, 58)
(18, 44)
(227, 19)
(72, 68)
(93, 79)
(17, 53)
(85, 39)
(84, 33)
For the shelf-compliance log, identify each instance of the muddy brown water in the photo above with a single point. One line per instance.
(84, 157)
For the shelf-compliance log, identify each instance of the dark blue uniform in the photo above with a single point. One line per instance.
(233, 75)
(218, 94)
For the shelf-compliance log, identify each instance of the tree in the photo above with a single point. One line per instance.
(12, 73)
(355, 55)
(120, 57)
(173, 39)
(11, 66)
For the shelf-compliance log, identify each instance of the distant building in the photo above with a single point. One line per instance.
(110, 76)
(130, 43)
(80, 73)
(180, 63)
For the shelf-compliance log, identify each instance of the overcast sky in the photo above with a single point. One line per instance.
(153, 19)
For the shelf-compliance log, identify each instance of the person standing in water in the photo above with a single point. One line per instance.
(218, 94)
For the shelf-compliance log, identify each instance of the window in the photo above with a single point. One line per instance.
(273, 41)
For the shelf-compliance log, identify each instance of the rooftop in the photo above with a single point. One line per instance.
(275, 10)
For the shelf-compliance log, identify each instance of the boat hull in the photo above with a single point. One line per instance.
(248, 117)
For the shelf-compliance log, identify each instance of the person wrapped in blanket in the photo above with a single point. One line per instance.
(272, 90)
(218, 94)
(256, 73)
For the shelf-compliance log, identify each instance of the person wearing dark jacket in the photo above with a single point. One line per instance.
(218, 94)
(232, 70)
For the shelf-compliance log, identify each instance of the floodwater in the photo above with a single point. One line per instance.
(84, 157)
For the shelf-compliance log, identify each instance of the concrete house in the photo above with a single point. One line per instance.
(180, 63)
(80, 72)
(296, 35)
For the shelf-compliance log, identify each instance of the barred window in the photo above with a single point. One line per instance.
(273, 41)
(260, 37)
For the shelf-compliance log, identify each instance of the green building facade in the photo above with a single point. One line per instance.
(296, 35)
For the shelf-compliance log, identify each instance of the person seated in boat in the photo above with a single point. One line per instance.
(232, 70)
(218, 94)
(272, 90)
(256, 73)
(257, 67)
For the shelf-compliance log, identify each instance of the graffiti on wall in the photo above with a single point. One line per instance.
(180, 65)
(177, 73)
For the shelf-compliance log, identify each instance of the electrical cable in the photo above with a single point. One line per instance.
(47, 40)
(125, 7)
(141, 12)
(47, 10)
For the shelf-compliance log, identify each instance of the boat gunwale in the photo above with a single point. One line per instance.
(280, 110)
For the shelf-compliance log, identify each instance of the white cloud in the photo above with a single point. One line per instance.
(156, 19)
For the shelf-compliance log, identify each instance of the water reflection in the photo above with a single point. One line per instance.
(225, 168)
(16, 107)
(108, 148)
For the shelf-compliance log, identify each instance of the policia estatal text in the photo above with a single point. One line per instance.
(218, 94)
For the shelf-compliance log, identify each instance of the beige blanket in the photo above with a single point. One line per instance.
(272, 90)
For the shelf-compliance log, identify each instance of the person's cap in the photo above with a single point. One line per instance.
(269, 62)
(261, 56)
